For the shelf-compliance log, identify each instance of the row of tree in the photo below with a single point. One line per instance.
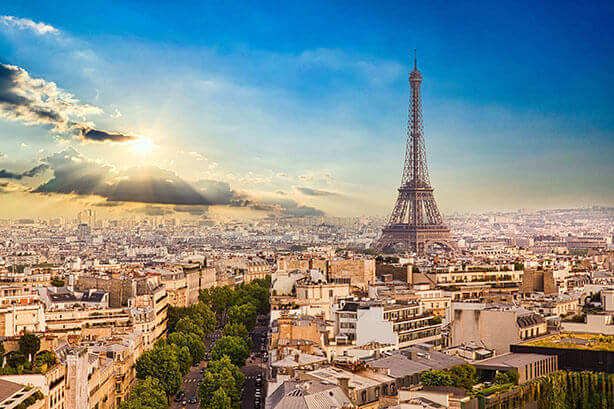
(160, 370)
(463, 376)
(239, 309)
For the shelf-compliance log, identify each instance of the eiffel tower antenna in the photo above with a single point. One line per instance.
(415, 223)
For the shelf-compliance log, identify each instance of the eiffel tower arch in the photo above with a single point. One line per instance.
(415, 223)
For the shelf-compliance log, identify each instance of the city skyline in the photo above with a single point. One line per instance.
(216, 110)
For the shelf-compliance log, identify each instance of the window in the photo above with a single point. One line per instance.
(363, 396)
(330, 293)
(377, 392)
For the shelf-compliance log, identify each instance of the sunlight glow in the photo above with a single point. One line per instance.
(142, 145)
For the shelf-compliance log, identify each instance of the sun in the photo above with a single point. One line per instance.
(142, 145)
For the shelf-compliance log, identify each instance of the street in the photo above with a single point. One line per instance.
(252, 370)
(191, 380)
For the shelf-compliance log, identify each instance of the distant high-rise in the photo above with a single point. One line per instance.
(415, 222)
(87, 216)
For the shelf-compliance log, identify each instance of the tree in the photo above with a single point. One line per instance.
(187, 326)
(437, 378)
(173, 315)
(501, 378)
(221, 374)
(2, 350)
(29, 344)
(237, 329)
(225, 363)
(245, 313)
(218, 298)
(233, 347)
(194, 344)
(183, 358)
(219, 400)
(15, 359)
(161, 363)
(463, 375)
(57, 282)
(146, 394)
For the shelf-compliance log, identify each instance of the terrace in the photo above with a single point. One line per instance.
(575, 341)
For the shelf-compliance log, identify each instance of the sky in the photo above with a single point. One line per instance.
(260, 109)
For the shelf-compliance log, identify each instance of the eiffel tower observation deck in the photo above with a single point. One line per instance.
(415, 224)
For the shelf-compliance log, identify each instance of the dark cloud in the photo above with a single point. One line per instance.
(73, 173)
(192, 210)
(5, 174)
(107, 204)
(216, 192)
(97, 135)
(286, 207)
(151, 210)
(36, 101)
(8, 187)
(315, 192)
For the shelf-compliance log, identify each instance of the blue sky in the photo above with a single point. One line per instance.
(298, 108)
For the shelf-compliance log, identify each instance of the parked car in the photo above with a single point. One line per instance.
(192, 400)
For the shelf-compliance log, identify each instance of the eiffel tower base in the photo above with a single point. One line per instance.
(415, 239)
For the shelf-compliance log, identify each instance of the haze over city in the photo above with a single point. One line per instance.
(250, 111)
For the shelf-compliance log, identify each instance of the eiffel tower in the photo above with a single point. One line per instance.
(415, 223)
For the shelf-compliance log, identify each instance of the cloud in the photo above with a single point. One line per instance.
(192, 210)
(76, 174)
(315, 192)
(196, 156)
(36, 101)
(286, 207)
(5, 174)
(73, 173)
(27, 24)
(151, 210)
(8, 187)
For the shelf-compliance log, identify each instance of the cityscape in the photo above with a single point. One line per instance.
(200, 206)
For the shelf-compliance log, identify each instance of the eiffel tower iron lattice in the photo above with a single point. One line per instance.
(415, 223)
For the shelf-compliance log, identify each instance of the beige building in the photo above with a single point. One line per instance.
(365, 389)
(493, 327)
(51, 384)
(17, 318)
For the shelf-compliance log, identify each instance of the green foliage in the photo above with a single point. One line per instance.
(29, 344)
(194, 344)
(437, 378)
(57, 282)
(221, 374)
(183, 358)
(237, 349)
(30, 400)
(15, 359)
(146, 394)
(237, 329)
(218, 298)
(187, 326)
(219, 400)
(501, 378)
(578, 390)
(163, 364)
(464, 375)
(245, 314)
(2, 350)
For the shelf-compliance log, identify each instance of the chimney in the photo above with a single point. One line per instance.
(344, 384)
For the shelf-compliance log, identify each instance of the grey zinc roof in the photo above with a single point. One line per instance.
(399, 366)
(510, 360)
(8, 389)
(307, 395)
